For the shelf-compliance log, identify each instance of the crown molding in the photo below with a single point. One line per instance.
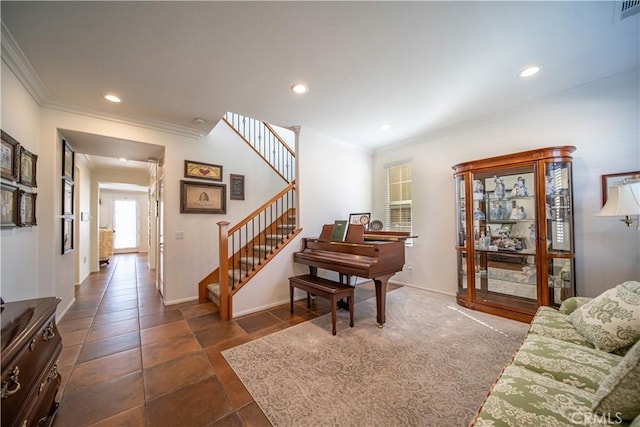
(17, 61)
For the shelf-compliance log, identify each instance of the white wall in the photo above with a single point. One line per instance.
(83, 247)
(600, 119)
(19, 275)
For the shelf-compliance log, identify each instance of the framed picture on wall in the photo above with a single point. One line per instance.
(67, 197)
(8, 206)
(67, 235)
(202, 170)
(612, 179)
(360, 218)
(237, 187)
(27, 203)
(9, 157)
(68, 160)
(28, 162)
(200, 197)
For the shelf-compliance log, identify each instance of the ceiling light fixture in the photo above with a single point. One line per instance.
(530, 71)
(122, 159)
(385, 126)
(112, 98)
(199, 121)
(300, 88)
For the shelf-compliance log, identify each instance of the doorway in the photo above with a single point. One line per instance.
(126, 223)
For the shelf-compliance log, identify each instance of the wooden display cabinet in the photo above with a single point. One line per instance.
(515, 238)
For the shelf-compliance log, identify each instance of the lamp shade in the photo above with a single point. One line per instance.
(623, 200)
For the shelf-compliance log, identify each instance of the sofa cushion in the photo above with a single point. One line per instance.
(611, 320)
(523, 398)
(550, 323)
(572, 364)
(620, 390)
(569, 305)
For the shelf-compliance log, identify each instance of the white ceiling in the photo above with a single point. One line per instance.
(424, 67)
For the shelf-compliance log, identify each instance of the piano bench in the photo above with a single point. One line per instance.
(324, 288)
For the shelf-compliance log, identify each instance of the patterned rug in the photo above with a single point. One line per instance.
(431, 365)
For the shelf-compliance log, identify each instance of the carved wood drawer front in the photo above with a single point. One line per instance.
(31, 344)
(40, 405)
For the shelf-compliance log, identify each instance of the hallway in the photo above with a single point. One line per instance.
(128, 360)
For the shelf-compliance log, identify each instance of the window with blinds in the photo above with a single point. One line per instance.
(398, 200)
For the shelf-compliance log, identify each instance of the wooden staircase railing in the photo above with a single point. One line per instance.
(248, 246)
(266, 142)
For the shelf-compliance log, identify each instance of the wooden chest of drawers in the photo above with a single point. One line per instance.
(31, 345)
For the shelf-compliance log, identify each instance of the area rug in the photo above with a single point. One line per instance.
(431, 365)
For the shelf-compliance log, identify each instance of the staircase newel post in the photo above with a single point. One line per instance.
(223, 254)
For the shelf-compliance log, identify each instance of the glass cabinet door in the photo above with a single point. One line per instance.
(463, 276)
(558, 212)
(461, 217)
(558, 207)
(560, 278)
(504, 229)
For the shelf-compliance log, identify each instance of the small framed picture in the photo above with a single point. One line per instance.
(200, 197)
(67, 235)
(28, 169)
(360, 218)
(9, 157)
(612, 179)
(27, 203)
(236, 187)
(202, 170)
(67, 197)
(68, 159)
(8, 206)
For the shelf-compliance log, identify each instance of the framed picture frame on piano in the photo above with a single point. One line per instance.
(360, 218)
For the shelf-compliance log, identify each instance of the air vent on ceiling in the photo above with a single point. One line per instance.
(629, 8)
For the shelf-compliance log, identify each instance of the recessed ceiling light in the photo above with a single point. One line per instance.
(112, 98)
(530, 71)
(385, 126)
(122, 159)
(199, 121)
(300, 88)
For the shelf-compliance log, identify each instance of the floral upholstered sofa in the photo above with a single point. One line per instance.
(578, 366)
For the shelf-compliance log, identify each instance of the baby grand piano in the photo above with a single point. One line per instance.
(372, 255)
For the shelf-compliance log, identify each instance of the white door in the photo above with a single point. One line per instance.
(126, 225)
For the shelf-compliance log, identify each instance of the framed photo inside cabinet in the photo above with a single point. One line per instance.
(28, 162)
(202, 170)
(200, 197)
(27, 203)
(67, 235)
(8, 206)
(9, 163)
(360, 218)
(612, 179)
(67, 197)
(236, 187)
(68, 160)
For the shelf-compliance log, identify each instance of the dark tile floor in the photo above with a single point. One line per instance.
(128, 360)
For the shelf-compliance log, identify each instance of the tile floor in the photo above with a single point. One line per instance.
(128, 360)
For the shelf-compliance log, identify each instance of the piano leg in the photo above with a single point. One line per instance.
(342, 303)
(381, 298)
